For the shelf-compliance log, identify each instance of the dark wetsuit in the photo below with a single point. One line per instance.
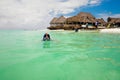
(76, 29)
(46, 37)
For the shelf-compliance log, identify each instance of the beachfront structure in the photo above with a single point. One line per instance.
(53, 22)
(58, 21)
(101, 22)
(77, 21)
(113, 22)
(81, 18)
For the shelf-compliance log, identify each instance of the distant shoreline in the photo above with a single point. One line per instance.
(110, 30)
(107, 30)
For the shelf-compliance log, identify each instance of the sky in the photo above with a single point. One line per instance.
(37, 14)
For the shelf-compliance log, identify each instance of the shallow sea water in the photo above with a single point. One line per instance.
(84, 55)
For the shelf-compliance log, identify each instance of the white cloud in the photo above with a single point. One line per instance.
(34, 14)
(92, 2)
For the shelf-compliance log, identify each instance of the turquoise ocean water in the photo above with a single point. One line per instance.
(69, 56)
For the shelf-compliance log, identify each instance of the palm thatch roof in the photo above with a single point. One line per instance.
(118, 20)
(82, 17)
(101, 21)
(53, 21)
(61, 20)
(113, 20)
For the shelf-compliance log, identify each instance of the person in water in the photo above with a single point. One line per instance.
(46, 37)
(76, 29)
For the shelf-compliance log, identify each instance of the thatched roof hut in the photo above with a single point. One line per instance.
(82, 17)
(118, 20)
(57, 23)
(61, 20)
(113, 20)
(101, 21)
(53, 21)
